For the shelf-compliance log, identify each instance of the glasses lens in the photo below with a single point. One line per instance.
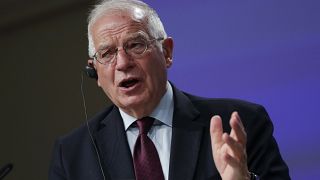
(136, 47)
(106, 56)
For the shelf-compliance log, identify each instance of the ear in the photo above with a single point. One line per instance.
(93, 69)
(91, 63)
(167, 46)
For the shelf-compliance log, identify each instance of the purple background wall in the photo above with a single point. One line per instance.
(265, 51)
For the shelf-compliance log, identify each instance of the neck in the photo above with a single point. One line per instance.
(143, 110)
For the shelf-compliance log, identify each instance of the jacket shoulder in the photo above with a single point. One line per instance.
(223, 104)
(93, 124)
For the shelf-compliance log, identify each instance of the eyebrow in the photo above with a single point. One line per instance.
(104, 46)
(131, 36)
(136, 35)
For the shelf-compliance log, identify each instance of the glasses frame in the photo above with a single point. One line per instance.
(95, 58)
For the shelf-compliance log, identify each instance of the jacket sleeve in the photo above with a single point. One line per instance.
(264, 157)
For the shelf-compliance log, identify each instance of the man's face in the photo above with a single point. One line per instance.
(135, 85)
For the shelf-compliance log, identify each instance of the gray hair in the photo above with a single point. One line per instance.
(153, 21)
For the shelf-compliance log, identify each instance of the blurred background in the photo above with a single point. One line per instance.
(266, 51)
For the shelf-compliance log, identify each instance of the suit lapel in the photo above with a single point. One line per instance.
(113, 147)
(186, 138)
(185, 144)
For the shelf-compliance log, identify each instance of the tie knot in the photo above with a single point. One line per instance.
(144, 124)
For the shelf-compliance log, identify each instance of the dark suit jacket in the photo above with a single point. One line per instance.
(74, 157)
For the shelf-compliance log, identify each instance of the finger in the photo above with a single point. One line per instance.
(237, 116)
(238, 131)
(234, 148)
(233, 120)
(216, 131)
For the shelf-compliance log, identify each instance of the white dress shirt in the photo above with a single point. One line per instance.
(161, 131)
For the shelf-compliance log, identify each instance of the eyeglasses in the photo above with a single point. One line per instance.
(135, 48)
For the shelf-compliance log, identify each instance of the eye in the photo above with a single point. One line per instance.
(136, 46)
(107, 53)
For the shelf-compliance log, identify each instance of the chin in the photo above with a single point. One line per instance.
(132, 102)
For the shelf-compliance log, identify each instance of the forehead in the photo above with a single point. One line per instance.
(118, 25)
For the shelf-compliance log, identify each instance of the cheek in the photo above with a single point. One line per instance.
(159, 67)
(109, 89)
(105, 79)
(105, 73)
(157, 74)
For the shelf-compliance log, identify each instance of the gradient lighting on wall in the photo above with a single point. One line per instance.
(267, 52)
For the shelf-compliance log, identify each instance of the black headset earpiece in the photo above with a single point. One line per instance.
(91, 72)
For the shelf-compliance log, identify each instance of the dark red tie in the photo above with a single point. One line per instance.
(146, 160)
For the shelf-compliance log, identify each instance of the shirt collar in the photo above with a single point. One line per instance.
(163, 112)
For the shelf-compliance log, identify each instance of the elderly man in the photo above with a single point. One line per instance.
(154, 131)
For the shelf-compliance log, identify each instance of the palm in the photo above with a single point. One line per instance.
(225, 170)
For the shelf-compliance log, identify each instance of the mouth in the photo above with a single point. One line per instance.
(128, 83)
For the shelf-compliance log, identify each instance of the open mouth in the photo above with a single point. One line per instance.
(128, 83)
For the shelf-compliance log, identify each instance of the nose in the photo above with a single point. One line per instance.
(123, 62)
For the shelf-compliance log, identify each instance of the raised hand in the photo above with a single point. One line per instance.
(229, 150)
